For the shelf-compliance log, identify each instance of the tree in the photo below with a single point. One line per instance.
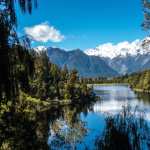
(40, 82)
(146, 9)
(8, 38)
(55, 73)
(64, 73)
(73, 76)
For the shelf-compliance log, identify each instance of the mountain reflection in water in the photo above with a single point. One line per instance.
(69, 127)
(84, 130)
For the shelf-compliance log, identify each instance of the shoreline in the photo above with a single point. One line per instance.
(53, 102)
(109, 84)
(141, 90)
(126, 84)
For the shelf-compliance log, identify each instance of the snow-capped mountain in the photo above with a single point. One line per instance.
(122, 49)
(105, 60)
(125, 57)
(40, 48)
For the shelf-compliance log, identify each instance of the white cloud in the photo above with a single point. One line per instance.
(121, 49)
(44, 33)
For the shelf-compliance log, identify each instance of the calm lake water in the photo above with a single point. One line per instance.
(79, 127)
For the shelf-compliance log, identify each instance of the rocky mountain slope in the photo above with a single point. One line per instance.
(87, 66)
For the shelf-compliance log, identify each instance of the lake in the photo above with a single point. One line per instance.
(77, 127)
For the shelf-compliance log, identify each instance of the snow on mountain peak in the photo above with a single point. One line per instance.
(40, 48)
(122, 49)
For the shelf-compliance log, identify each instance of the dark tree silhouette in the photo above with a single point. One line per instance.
(8, 38)
(146, 9)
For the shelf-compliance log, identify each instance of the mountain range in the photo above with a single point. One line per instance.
(105, 60)
(123, 49)
(124, 57)
(87, 66)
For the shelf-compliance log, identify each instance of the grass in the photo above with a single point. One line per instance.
(35, 100)
(126, 131)
(44, 103)
(141, 90)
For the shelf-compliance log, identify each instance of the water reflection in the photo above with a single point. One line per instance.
(19, 131)
(144, 97)
(128, 130)
(113, 97)
(68, 130)
(82, 128)
(68, 127)
(64, 136)
(58, 126)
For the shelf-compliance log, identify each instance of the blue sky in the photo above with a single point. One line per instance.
(85, 23)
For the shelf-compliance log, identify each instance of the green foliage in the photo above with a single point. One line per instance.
(36, 76)
(146, 8)
(28, 83)
(9, 50)
(48, 81)
(138, 81)
(96, 80)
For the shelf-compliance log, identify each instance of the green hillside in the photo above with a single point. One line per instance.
(139, 81)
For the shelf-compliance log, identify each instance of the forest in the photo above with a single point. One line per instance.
(27, 74)
(138, 81)
(37, 96)
(29, 83)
